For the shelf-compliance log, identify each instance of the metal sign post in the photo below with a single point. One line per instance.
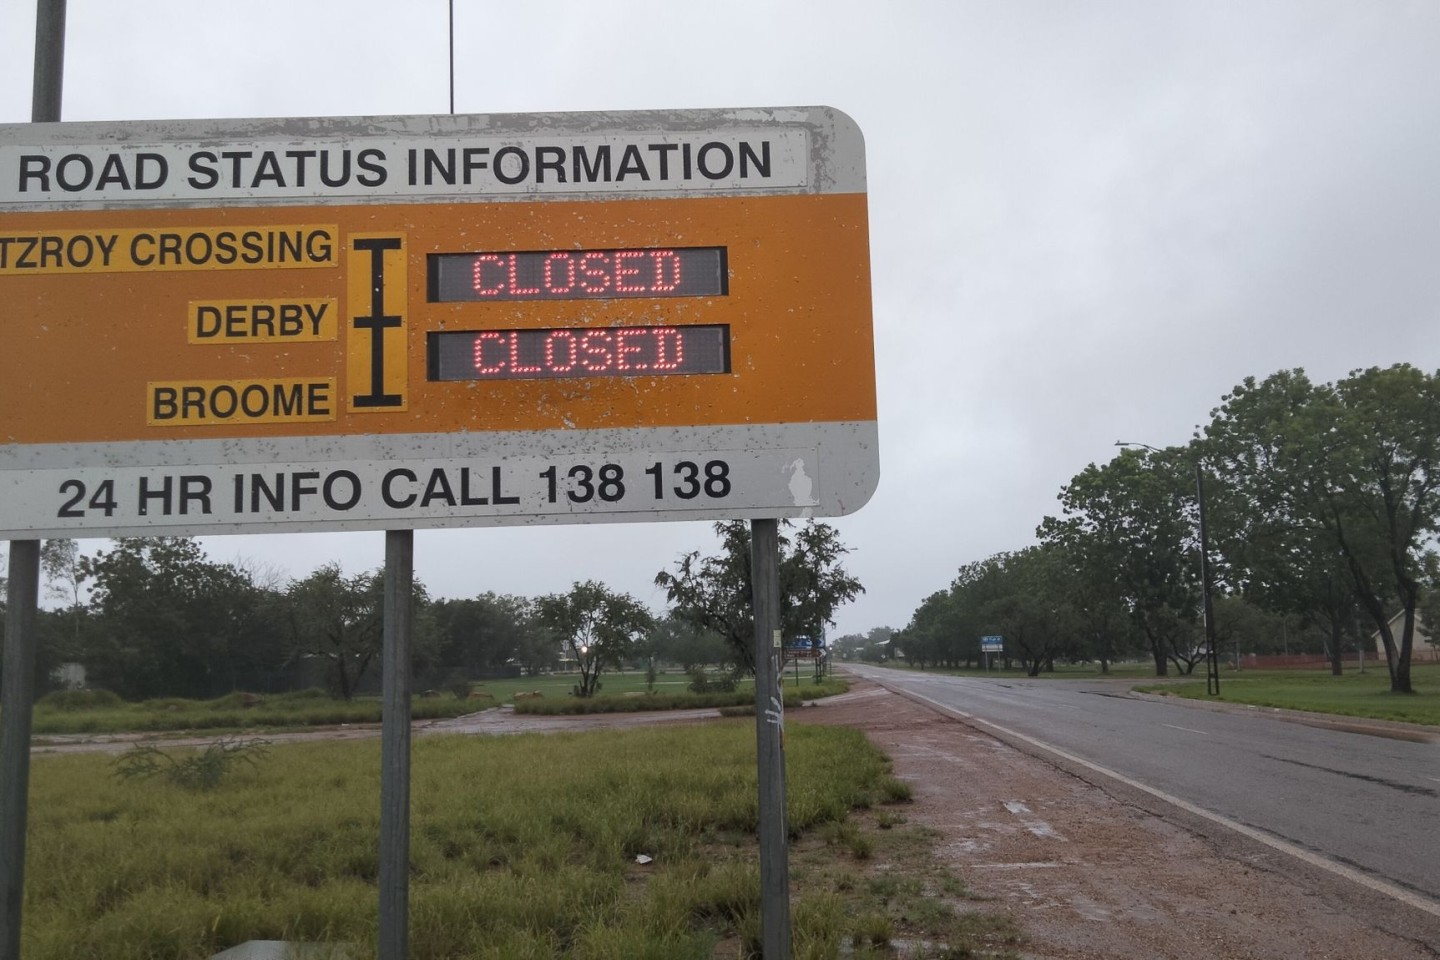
(394, 876)
(20, 623)
(1212, 652)
(989, 646)
(770, 740)
(17, 693)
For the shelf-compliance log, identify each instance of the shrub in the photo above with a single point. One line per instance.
(202, 770)
(701, 682)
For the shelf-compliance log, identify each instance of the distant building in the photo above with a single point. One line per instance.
(1425, 648)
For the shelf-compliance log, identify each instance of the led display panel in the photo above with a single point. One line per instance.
(577, 274)
(579, 352)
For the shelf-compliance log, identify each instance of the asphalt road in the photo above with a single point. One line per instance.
(1367, 801)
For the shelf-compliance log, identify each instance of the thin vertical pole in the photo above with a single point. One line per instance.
(17, 691)
(395, 747)
(49, 61)
(770, 740)
(1212, 655)
(22, 598)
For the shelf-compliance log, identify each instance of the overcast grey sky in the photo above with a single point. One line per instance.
(1088, 219)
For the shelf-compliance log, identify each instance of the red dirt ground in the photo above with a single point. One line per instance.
(1089, 873)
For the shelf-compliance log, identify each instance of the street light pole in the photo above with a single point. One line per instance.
(1212, 654)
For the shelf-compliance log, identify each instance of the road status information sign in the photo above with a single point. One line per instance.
(399, 322)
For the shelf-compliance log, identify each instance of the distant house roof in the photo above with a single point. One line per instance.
(1422, 637)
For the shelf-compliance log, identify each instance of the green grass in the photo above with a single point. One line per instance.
(59, 714)
(521, 847)
(612, 684)
(101, 712)
(742, 696)
(1353, 694)
(555, 685)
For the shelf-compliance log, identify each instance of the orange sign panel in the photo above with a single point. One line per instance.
(627, 291)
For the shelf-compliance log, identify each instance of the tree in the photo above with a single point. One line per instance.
(339, 619)
(715, 592)
(1030, 610)
(1127, 525)
(1279, 557)
(880, 644)
(1242, 626)
(60, 561)
(681, 642)
(168, 621)
(1022, 596)
(929, 637)
(848, 647)
(599, 628)
(537, 649)
(480, 635)
(1103, 628)
(64, 578)
(1352, 467)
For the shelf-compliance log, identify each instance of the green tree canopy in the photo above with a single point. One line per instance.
(482, 634)
(168, 621)
(715, 592)
(1128, 524)
(340, 619)
(1343, 476)
(599, 628)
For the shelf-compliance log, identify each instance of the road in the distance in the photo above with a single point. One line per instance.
(1370, 802)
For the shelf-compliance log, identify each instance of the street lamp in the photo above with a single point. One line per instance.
(1212, 656)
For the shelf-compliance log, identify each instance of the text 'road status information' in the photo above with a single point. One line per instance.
(327, 324)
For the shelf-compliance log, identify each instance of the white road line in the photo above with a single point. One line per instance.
(1315, 860)
(1203, 733)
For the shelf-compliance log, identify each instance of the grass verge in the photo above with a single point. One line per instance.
(743, 697)
(65, 713)
(521, 847)
(1352, 694)
(101, 712)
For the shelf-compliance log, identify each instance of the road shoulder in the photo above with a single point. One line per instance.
(1091, 869)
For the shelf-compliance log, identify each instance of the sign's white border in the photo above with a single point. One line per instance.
(437, 480)
(188, 163)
